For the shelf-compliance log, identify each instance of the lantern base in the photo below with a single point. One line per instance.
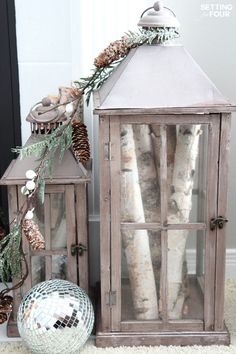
(116, 339)
(180, 338)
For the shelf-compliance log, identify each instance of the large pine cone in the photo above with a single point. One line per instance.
(33, 234)
(116, 50)
(80, 143)
(5, 308)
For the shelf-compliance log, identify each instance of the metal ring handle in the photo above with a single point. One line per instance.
(152, 7)
(39, 121)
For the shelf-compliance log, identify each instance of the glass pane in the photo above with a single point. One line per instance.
(185, 276)
(38, 269)
(187, 171)
(59, 267)
(140, 279)
(140, 191)
(39, 217)
(58, 220)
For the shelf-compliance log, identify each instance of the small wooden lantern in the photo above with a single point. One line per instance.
(62, 220)
(164, 143)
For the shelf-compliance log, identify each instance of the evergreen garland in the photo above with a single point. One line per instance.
(44, 148)
(11, 254)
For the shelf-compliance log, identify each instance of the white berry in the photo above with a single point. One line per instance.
(29, 215)
(30, 185)
(30, 174)
(69, 108)
(24, 190)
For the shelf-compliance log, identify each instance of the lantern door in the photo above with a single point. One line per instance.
(61, 224)
(56, 220)
(162, 185)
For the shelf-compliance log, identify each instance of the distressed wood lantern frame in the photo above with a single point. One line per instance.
(69, 181)
(144, 90)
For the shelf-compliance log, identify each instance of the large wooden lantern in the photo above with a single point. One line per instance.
(164, 142)
(62, 220)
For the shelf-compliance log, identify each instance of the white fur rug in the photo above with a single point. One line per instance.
(89, 348)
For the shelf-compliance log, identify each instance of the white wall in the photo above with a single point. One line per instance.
(58, 39)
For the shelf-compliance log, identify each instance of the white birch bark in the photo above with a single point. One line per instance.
(171, 146)
(136, 243)
(150, 191)
(179, 212)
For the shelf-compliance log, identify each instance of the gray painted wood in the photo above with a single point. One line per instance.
(70, 233)
(174, 110)
(222, 209)
(104, 135)
(201, 207)
(179, 338)
(47, 228)
(115, 168)
(212, 177)
(154, 326)
(68, 173)
(12, 210)
(135, 332)
(170, 119)
(158, 226)
(54, 189)
(163, 307)
(82, 234)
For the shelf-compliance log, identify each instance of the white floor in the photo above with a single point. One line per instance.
(230, 273)
(3, 335)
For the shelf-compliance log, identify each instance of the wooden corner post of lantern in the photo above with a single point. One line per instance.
(61, 219)
(164, 142)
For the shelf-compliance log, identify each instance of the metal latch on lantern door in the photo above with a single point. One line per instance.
(107, 151)
(110, 298)
(78, 249)
(219, 222)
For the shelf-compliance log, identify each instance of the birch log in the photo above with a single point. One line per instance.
(136, 243)
(179, 211)
(171, 146)
(150, 191)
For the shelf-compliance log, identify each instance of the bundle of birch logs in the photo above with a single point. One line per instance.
(140, 202)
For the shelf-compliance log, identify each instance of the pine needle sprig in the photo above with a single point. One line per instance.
(60, 137)
(11, 254)
(158, 35)
(36, 149)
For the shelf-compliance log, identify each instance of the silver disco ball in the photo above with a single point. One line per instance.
(55, 316)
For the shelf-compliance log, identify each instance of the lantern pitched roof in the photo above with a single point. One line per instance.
(68, 171)
(155, 77)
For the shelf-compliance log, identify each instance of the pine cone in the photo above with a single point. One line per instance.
(80, 143)
(116, 50)
(33, 235)
(3, 317)
(6, 304)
